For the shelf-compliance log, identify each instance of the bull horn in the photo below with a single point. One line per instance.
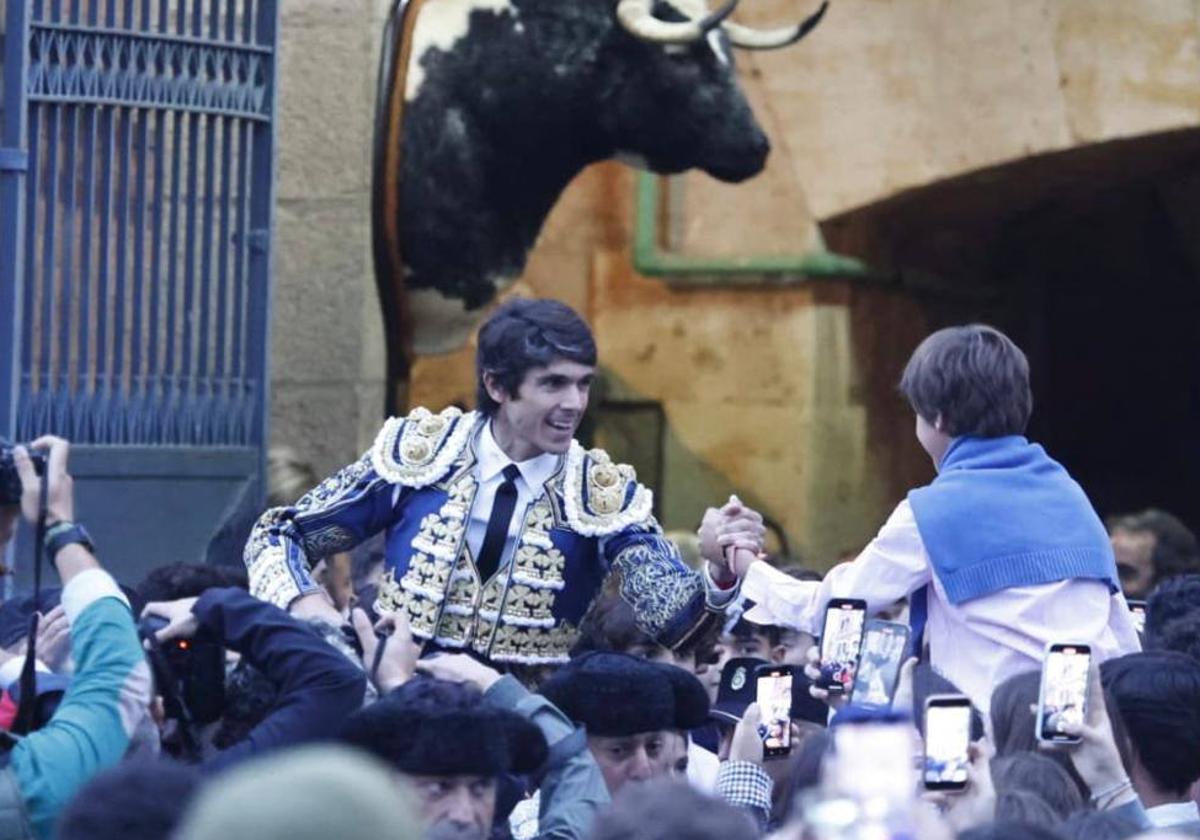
(749, 38)
(638, 19)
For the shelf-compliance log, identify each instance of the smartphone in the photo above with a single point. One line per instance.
(885, 644)
(1063, 695)
(873, 761)
(1137, 611)
(841, 637)
(947, 741)
(774, 698)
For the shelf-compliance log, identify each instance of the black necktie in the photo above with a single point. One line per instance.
(498, 522)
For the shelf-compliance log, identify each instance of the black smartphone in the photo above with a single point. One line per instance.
(1062, 698)
(774, 697)
(947, 742)
(841, 637)
(1137, 611)
(884, 647)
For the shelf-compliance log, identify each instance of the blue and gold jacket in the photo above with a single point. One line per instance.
(418, 482)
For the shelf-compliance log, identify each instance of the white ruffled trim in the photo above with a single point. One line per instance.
(458, 609)
(436, 597)
(537, 583)
(589, 524)
(441, 551)
(383, 457)
(537, 539)
(446, 641)
(515, 621)
(531, 660)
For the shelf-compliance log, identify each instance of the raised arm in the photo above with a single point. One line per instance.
(336, 515)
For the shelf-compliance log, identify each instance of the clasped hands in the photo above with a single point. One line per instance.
(731, 539)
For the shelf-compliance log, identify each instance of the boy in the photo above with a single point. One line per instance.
(999, 555)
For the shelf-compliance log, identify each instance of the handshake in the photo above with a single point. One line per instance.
(731, 539)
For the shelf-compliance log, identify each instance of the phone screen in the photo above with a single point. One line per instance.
(1137, 611)
(872, 761)
(883, 650)
(840, 640)
(1064, 690)
(947, 739)
(774, 700)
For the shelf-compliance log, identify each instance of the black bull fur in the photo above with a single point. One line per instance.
(501, 123)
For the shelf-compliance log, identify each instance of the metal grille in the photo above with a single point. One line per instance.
(135, 209)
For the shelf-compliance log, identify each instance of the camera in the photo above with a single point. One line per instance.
(10, 481)
(189, 674)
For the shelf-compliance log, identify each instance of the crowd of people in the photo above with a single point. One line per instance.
(479, 630)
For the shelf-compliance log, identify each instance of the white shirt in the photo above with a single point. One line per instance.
(977, 644)
(1173, 813)
(490, 462)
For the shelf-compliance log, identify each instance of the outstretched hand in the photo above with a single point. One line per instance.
(731, 539)
(181, 622)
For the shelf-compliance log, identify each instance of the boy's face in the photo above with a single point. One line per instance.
(933, 440)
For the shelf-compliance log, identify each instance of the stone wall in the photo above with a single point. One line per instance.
(326, 344)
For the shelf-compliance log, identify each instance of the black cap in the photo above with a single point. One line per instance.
(738, 689)
(617, 694)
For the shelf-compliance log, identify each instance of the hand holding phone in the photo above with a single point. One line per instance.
(774, 700)
(884, 647)
(1062, 698)
(947, 742)
(841, 638)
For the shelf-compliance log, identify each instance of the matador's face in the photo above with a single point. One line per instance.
(546, 410)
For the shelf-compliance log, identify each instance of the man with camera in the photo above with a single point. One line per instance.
(110, 690)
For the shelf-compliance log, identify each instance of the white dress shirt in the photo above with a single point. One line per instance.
(490, 462)
(976, 644)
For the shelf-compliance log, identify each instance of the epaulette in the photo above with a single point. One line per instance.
(417, 450)
(602, 498)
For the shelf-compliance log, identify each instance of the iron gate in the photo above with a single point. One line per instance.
(136, 196)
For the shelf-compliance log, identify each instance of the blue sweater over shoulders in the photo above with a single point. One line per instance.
(1002, 513)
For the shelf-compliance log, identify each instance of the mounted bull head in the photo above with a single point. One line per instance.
(488, 109)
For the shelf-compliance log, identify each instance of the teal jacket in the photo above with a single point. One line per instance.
(91, 730)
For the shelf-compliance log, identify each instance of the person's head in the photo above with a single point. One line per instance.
(970, 380)
(1173, 599)
(1157, 695)
(1151, 546)
(135, 799)
(740, 639)
(611, 625)
(1039, 776)
(1181, 636)
(451, 748)
(188, 580)
(1027, 807)
(927, 682)
(534, 365)
(305, 793)
(631, 709)
(669, 810)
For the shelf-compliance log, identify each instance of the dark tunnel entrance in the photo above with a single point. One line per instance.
(1090, 260)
